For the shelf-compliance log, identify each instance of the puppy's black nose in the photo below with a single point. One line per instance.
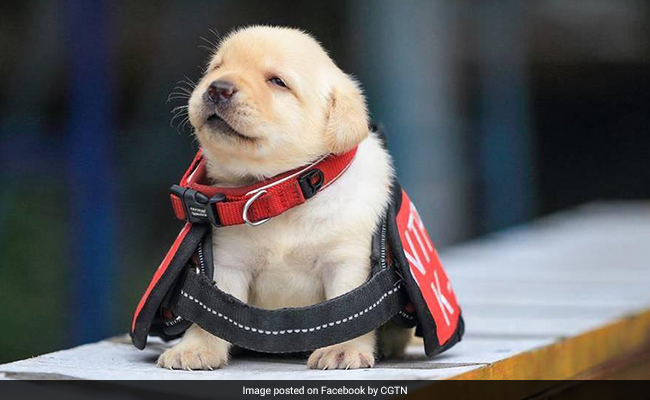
(220, 91)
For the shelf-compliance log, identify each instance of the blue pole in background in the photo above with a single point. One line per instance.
(404, 50)
(91, 185)
(506, 148)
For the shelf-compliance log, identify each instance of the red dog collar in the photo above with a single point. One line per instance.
(195, 200)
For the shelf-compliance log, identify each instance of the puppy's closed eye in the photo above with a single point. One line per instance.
(278, 82)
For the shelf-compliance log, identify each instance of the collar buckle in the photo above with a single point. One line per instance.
(195, 207)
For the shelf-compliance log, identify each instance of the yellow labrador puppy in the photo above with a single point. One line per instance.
(272, 100)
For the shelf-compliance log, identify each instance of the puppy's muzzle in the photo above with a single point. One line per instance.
(220, 92)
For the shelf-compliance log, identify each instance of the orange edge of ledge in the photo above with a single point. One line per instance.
(570, 357)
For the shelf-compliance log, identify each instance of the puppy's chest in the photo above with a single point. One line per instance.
(290, 279)
(282, 256)
(284, 270)
(290, 242)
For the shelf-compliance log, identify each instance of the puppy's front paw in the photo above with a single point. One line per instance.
(341, 356)
(193, 357)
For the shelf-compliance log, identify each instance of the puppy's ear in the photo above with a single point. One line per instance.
(347, 123)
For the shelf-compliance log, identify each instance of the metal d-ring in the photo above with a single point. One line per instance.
(247, 206)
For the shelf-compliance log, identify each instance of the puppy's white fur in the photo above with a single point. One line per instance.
(315, 251)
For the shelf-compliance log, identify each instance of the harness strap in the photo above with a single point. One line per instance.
(289, 330)
(167, 273)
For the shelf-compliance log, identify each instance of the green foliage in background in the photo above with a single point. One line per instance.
(33, 274)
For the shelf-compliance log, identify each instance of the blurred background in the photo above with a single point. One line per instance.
(497, 112)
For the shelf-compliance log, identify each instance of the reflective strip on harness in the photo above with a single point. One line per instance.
(289, 330)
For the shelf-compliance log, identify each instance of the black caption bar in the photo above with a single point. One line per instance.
(216, 390)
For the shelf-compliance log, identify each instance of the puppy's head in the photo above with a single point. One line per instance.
(271, 100)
